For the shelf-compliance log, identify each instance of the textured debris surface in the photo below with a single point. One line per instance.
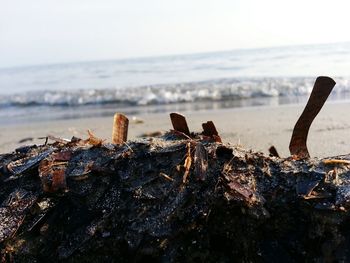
(81, 202)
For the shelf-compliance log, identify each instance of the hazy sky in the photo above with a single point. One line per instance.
(50, 31)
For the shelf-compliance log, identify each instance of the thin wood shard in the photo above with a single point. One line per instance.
(52, 171)
(321, 90)
(200, 162)
(336, 162)
(93, 140)
(57, 139)
(188, 163)
(166, 176)
(120, 129)
(273, 151)
(179, 123)
(210, 130)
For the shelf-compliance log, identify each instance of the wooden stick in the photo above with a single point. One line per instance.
(321, 90)
(120, 129)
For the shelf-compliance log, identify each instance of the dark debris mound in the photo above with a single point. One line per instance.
(169, 199)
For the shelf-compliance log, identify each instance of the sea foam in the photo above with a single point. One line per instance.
(213, 90)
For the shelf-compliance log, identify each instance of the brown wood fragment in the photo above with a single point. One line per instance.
(52, 171)
(27, 139)
(120, 129)
(93, 140)
(52, 175)
(321, 90)
(317, 195)
(240, 192)
(59, 180)
(335, 162)
(273, 151)
(210, 130)
(151, 134)
(188, 163)
(57, 139)
(200, 162)
(166, 176)
(179, 123)
(217, 138)
(62, 156)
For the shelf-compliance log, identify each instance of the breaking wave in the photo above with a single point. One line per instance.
(213, 90)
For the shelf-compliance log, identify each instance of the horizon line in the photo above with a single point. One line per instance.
(165, 55)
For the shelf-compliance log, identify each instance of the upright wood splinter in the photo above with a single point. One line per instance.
(210, 130)
(273, 151)
(120, 129)
(179, 123)
(320, 92)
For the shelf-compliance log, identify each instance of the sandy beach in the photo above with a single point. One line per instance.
(254, 128)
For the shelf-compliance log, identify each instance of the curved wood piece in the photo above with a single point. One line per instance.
(320, 92)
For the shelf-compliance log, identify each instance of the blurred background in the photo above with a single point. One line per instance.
(85, 60)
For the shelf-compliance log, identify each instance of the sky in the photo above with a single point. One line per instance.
(57, 31)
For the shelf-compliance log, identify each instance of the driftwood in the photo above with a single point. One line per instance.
(180, 197)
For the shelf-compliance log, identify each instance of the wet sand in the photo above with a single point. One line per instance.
(254, 128)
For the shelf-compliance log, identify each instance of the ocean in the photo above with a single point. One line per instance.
(228, 79)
